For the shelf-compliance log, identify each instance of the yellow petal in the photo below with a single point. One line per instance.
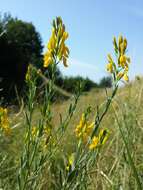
(125, 77)
(94, 143)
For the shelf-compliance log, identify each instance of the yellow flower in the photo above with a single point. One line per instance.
(110, 67)
(100, 140)
(47, 59)
(70, 161)
(110, 64)
(123, 60)
(84, 128)
(119, 70)
(34, 131)
(125, 77)
(94, 143)
(52, 42)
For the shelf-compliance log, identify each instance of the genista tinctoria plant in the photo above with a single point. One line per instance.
(43, 163)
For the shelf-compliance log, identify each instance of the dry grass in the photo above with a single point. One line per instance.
(112, 169)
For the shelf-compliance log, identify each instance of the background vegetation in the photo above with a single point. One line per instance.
(21, 45)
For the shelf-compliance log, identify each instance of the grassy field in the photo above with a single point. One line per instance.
(112, 169)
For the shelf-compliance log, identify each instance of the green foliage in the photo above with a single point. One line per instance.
(20, 44)
(70, 83)
(105, 82)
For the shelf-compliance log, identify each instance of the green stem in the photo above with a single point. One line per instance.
(129, 156)
(98, 118)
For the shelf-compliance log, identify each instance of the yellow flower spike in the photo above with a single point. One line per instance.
(94, 143)
(121, 68)
(84, 129)
(56, 49)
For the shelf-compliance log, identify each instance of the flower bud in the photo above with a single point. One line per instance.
(65, 35)
(120, 40)
(115, 45)
(65, 62)
(125, 43)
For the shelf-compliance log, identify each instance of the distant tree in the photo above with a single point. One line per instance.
(105, 82)
(70, 83)
(20, 44)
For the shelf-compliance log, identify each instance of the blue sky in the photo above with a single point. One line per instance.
(91, 25)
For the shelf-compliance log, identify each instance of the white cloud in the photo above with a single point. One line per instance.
(83, 69)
